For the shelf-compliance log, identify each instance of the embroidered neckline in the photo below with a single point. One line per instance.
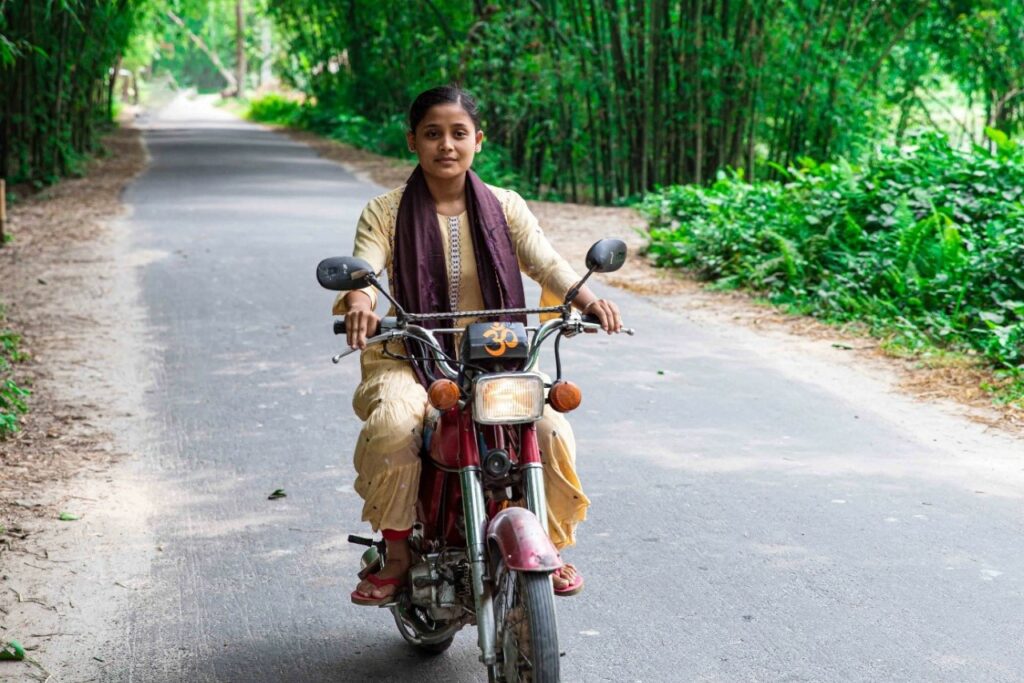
(456, 261)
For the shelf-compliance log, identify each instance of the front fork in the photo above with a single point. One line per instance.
(475, 514)
(476, 540)
(533, 475)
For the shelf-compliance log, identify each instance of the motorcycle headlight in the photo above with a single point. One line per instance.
(508, 398)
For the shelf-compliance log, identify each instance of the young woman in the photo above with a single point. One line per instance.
(435, 236)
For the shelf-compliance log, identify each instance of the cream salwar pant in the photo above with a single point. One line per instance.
(393, 405)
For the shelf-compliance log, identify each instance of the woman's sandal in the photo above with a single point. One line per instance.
(359, 598)
(572, 588)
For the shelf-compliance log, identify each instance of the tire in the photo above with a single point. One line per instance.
(433, 649)
(528, 647)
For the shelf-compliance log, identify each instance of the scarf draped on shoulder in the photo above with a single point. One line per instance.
(419, 274)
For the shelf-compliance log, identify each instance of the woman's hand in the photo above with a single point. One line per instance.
(606, 312)
(360, 320)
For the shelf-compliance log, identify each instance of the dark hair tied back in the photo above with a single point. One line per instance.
(446, 94)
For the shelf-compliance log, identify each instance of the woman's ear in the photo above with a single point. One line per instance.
(411, 139)
(479, 139)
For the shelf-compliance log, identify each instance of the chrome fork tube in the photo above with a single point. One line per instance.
(476, 546)
(536, 501)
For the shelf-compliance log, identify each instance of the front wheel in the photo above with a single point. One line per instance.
(527, 632)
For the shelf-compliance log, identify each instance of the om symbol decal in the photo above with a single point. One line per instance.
(501, 339)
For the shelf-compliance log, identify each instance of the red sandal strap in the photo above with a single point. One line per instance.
(380, 583)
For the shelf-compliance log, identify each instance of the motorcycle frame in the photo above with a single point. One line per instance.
(476, 518)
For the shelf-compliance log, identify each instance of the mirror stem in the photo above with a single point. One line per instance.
(372, 279)
(574, 291)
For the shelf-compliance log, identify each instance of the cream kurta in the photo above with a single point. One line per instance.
(393, 404)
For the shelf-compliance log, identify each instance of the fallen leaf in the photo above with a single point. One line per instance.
(278, 493)
(12, 652)
(68, 517)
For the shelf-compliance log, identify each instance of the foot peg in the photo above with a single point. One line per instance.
(372, 560)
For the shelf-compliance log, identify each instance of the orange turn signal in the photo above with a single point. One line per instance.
(564, 396)
(443, 394)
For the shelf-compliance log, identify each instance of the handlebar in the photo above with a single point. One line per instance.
(391, 322)
(390, 329)
(385, 324)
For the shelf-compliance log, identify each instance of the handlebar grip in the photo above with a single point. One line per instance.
(588, 318)
(388, 323)
(359, 540)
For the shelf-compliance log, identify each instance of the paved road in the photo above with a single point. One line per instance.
(750, 520)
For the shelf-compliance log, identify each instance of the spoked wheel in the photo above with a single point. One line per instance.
(429, 637)
(527, 631)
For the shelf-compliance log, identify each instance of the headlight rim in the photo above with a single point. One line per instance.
(478, 412)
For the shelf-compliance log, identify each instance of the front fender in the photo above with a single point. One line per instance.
(523, 544)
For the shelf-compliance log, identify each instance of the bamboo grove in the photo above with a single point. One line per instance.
(604, 99)
(57, 63)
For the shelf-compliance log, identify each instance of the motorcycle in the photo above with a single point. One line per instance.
(480, 550)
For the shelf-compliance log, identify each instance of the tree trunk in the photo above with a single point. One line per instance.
(214, 59)
(240, 48)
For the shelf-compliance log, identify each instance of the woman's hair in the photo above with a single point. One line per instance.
(445, 94)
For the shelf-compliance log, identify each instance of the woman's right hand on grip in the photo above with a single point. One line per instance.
(360, 319)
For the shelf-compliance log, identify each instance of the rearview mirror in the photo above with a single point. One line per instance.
(606, 256)
(342, 273)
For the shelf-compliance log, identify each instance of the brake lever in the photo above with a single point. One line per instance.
(390, 334)
(337, 357)
(594, 328)
(625, 330)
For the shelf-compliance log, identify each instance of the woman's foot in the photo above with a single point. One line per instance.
(381, 587)
(567, 580)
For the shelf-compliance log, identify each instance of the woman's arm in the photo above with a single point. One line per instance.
(539, 260)
(373, 245)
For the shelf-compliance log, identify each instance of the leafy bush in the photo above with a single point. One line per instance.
(925, 244)
(12, 396)
(274, 109)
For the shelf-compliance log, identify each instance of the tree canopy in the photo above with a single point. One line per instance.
(592, 100)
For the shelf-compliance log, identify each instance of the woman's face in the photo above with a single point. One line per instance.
(445, 141)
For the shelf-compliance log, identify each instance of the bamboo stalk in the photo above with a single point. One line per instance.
(3, 211)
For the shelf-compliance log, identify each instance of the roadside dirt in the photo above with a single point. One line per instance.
(572, 228)
(55, 272)
(68, 289)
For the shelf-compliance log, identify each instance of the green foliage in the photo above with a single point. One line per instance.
(274, 108)
(386, 138)
(605, 101)
(924, 243)
(12, 396)
(980, 42)
(55, 88)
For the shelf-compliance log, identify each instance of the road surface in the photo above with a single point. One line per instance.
(757, 515)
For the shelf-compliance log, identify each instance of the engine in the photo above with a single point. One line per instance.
(441, 584)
